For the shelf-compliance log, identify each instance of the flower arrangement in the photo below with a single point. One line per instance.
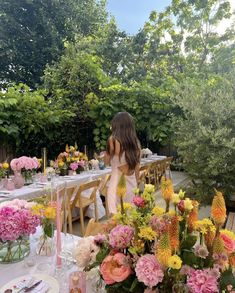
(26, 166)
(4, 169)
(152, 249)
(46, 211)
(66, 160)
(17, 222)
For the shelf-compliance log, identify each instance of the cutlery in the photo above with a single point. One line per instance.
(32, 287)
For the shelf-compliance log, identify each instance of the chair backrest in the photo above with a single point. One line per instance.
(144, 170)
(91, 185)
(93, 228)
(104, 185)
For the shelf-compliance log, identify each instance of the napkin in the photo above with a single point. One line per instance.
(43, 287)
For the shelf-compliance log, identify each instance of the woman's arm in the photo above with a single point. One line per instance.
(109, 152)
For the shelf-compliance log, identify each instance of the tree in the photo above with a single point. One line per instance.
(33, 32)
(205, 131)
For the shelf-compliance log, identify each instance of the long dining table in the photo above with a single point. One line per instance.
(36, 190)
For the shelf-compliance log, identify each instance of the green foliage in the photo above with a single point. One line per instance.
(32, 33)
(204, 133)
(29, 113)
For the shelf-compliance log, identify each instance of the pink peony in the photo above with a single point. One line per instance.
(139, 201)
(229, 243)
(120, 237)
(186, 270)
(115, 268)
(148, 270)
(202, 281)
(74, 166)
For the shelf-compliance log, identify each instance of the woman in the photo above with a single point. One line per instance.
(123, 154)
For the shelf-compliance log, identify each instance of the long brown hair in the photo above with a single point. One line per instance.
(123, 130)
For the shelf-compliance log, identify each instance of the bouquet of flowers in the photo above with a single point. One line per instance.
(17, 222)
(26, 166)
(71, 159)
(46, 211)
(152, 249)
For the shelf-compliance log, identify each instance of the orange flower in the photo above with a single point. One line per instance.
(174, 233)
(209, 238)
(167, 189)
(232, 260)
(218, 245)
(163, 252)
(193, 216)
(218, 209)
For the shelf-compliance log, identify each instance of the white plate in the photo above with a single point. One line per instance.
(52, 282)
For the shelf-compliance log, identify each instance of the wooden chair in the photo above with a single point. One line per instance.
(143, 173)
(151, 174)
(82, 202)
(104, 190)
(93, 228)
(168, 166)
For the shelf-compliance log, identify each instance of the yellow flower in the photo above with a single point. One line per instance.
(5, 166)
(50, 213)
(147, 233)
(38, 209)
(188, 204)
(149, 188)
(61, 164)
(67, 148)
(68, 159)
(136, 190)
(204, 225)
(158, 211)
(181, 194)
(126, 206)
(121, 188)
(175, 262)
(175, 198)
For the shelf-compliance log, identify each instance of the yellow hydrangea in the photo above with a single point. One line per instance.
(158, 211)
(175, 262)
(37, 209)
(5, 166)
(188, 205)
(147, 233)
(149, 188)
(50, 213)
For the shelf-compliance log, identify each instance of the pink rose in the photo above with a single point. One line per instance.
(139, 201)
(115, 268)
(229, 243)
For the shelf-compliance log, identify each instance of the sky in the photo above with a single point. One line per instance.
(132, 14)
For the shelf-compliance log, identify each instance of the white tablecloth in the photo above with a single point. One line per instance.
(9, 272)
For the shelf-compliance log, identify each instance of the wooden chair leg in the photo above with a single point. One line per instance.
(82, 221)
(96, 210)
(70, 222)
(106, 208)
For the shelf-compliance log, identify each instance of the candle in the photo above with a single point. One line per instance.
(85, 151)
(44, 160)
(58, 229)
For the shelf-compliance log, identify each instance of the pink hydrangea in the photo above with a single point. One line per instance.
(139, 201)
(16, 222)
(202, 281)
(99, 239)
(157, 224)
(120, 237)
(148, 270)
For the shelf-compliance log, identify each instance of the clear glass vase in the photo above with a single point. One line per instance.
(28, 177)
(14, 251)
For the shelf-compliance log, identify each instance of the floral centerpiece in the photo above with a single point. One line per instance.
(25, 166)
(46, 211)
(4, 169)
(17, 222)
(71, 159)
(152, 249)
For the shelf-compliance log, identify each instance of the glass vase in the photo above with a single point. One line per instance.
(14, 251)
(28, 177)
(45, 246)
(18, 180)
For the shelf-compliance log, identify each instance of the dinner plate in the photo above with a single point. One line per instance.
(52, 282)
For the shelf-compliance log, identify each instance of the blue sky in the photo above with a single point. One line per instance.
(132, 14)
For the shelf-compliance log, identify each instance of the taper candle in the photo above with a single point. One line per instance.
(58, 229)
